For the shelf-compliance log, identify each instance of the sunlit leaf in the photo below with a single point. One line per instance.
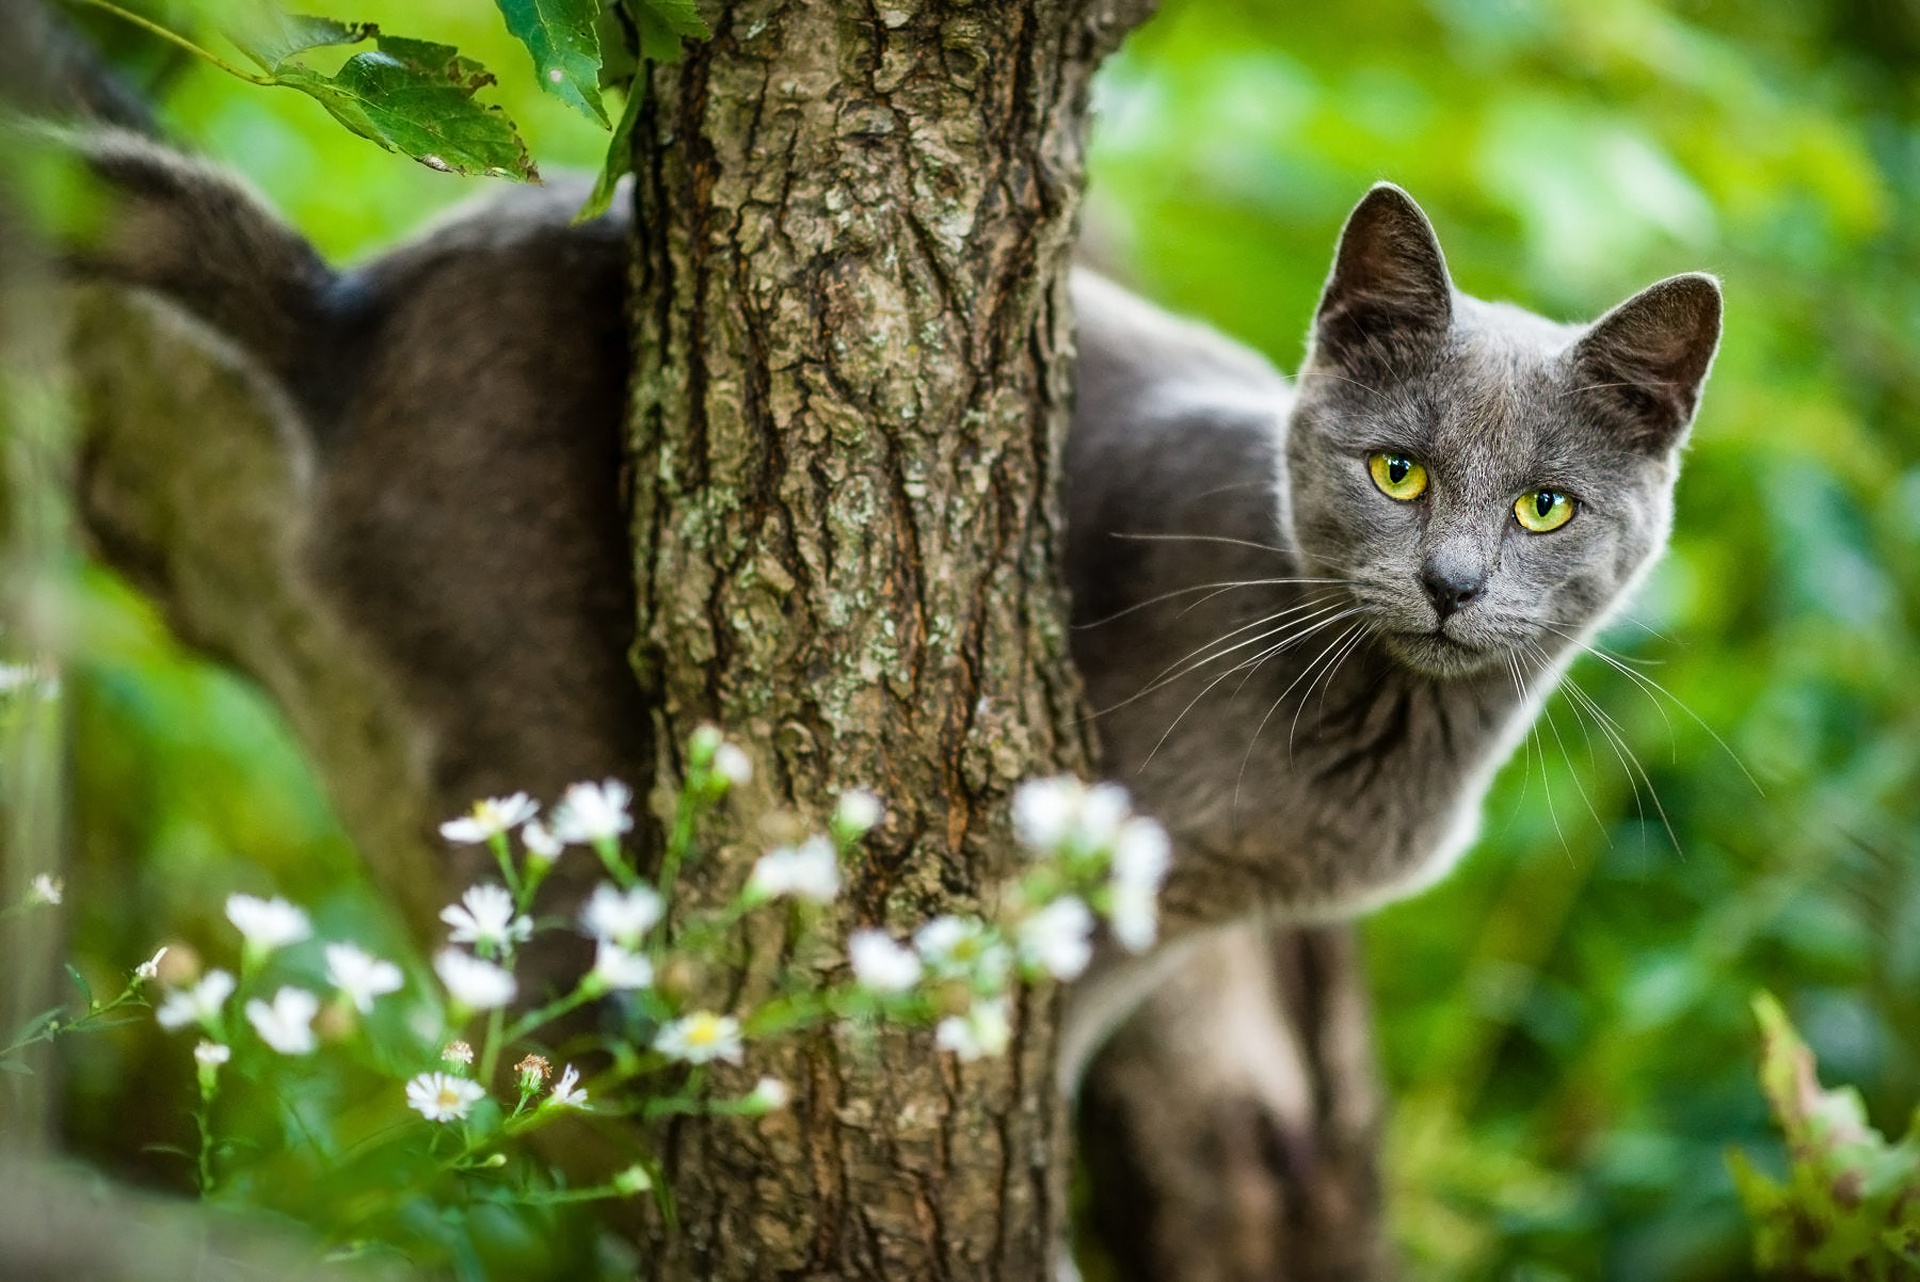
(664, 24)
(563, 38)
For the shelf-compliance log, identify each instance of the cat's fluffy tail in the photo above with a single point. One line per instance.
(199, 236)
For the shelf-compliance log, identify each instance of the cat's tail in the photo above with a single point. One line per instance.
(167, 223)
(199, 236)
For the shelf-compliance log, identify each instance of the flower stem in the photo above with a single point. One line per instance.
(490, 1049)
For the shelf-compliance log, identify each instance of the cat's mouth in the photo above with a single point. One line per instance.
(1435, 652)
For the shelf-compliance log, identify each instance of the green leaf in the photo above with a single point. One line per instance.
(563, 38)
(15, 1067)
(270, 38)
(416, 98)
(663, 24)
(80, 982)
(619, 158)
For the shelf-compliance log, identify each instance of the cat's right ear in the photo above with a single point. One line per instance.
(1389, 289)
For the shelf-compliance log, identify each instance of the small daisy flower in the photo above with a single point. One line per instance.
(197, 1005)
(1061, 814)
(46, 889)
(809, 871)
(963, 948)
(149, 970)
(540, 843)
(769, 1095)
(360, 976)
(1140, 860)
(879, 964)
(473, 983)
(857, 813)
(441, 1097)
(567, 1092)
(731, 763)
(533, 1072)
(592, 813)
(267, 924)
(286, 1024)
(457, 1052)
(484, 917)
(982, 1032)
(489, 818)
(1059, 938)
(211, 1054)
(701, 1037)
(617, 968)
(17, 676)
(623, 916)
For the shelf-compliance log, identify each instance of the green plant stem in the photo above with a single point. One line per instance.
(490, 1051)
(176, 39)
(551, 1011)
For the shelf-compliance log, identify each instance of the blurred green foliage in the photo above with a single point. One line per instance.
(1565, 1022)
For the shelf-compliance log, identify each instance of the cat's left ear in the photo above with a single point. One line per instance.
(1649, 357)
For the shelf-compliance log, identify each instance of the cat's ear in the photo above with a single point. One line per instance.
(1389, 287)
(1649, 357)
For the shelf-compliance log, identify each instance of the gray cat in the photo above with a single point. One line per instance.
(1314, 618)
(1317, 617)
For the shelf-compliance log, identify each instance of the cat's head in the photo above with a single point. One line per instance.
(1481, 478)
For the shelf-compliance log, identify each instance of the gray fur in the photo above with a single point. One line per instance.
(1273, 678)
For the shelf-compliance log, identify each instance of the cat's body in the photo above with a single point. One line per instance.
(1309, 680)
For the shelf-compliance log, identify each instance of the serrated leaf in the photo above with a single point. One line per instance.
(416, 97)
(679, 16)
(663, 24)
(270, 38)
(564, 39)
(618, 161)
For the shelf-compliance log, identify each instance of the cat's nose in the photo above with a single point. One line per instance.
(1450, 586)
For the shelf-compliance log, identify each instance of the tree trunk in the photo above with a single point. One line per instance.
(853, 346)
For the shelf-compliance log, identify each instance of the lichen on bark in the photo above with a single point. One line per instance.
(852, 381)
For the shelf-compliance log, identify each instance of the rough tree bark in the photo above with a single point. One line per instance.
(853, 346)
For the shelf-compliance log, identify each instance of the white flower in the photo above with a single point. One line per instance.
(592, 812)
(540, 843)
(484, 918)
(982, 1031)
(1058, 938)
(489, 818)
(1061, 813)
(881, 965)
(442, 1097)
(858, 811)
(267, 924)
(360, 976)
(286, 1024)
(1142, 854)
(16, 676)
(211, 1055)
(700, 1037)
(475, 984)
(963, 947)
(1134, 914)
(732, 764)
(567, 1093)
(615, 967)
(46, 889)
(150, 969)
(197, 1005)
(769, 1094)
(624, 916)
(1140, 860)
(809, 871)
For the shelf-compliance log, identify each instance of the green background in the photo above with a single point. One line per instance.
(1565, 1022)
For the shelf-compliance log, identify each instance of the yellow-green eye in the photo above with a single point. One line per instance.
(1543, 510)
(1398, 476)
